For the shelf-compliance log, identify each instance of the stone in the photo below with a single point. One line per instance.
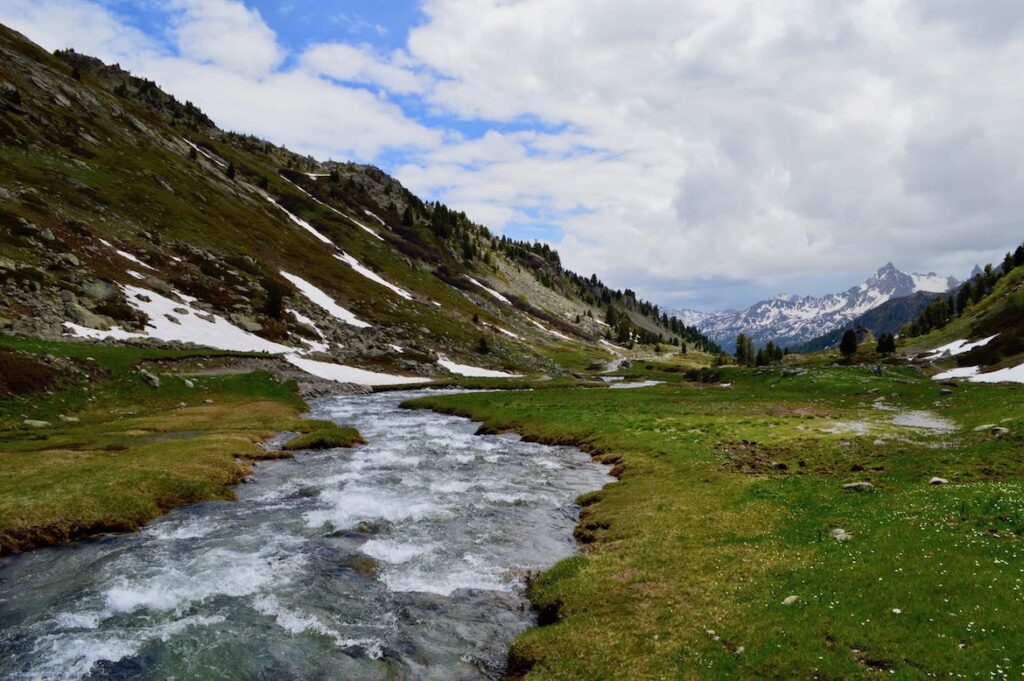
(938, 481)
(861, 486)
(245, 323)
(150, 380)
(97, 289)
(985, 426)
(47, 235)
(999, 431)
(945, 391)
(84, 317)
(35, 423)
(207, 401)
(839, 534)
(189, 383)
(789, 373)
(70, 259)
(68, 419)
(790, 600)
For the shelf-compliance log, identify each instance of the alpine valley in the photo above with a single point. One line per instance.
(269, 416)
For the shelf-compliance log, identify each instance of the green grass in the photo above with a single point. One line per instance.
(126, 452)
(725, 505)
(325, 436)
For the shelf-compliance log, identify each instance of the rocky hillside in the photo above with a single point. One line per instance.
(127, 214)
(790, 320)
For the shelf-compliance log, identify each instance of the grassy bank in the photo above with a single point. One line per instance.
(725, 508)
(115, 452)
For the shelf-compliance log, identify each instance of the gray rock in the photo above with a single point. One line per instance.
(207, 401)
(97, 289)
(789, 373)
(999, 431)
(938, 481)
(158, 285)
(839, 534)
(945, 391)
(172, 319)
(861, 486)
(150, 380)
(790, 600)
(189, 383)
(68, 419)
(47, 235)
(70, 259)
(246, 323)
(34, 423)
(84, 317)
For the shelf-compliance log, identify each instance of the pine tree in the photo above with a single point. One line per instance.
(230, 171)
(848, 346)
(482, 347)
(886, 344)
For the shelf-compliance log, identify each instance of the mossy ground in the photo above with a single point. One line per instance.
(325, 436)
(134, 451)
(725, 505)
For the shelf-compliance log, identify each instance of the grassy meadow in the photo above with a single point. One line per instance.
(118, 452)
(725, 509)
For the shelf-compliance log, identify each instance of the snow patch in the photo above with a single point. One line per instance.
(335, 210)
(347, 374)
(371, 275)
(551, 331)
(324, 301)
(959, 347)
(494, 293)
(190, 328)
(476, 372)
(299, 221)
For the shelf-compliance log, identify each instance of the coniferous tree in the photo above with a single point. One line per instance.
(848, 346)
(230, 171)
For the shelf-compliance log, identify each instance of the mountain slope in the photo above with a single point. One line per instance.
(125, 213)
(791, 320)
(985, 343)
(889, 317)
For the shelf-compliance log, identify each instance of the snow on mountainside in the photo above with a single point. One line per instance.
(790, 320)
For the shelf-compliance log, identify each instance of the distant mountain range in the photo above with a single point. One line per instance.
(792, 320)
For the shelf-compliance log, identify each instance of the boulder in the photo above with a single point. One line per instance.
(861, 486)
(999, 431)
(35, 423)
(245, 323)
(796, 371)
(97, 289)
(151, 380)
(790, 600)
(68, 419)
(938, 481)
(70, 259)
(839, 534)
(82, 316)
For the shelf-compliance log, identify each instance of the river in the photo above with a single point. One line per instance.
(401, 559)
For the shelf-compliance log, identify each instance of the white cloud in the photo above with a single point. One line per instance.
(360, 65)
(225, 33)
(770, 142)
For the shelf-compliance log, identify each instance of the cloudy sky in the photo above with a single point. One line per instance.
(706, 153)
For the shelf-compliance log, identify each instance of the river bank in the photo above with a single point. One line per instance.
(730, 546)
(404, 558)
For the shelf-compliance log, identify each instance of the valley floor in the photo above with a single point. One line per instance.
(729, 547)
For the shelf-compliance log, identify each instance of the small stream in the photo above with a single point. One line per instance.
(401, 559)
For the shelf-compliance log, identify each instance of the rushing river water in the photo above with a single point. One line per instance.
(402, 559)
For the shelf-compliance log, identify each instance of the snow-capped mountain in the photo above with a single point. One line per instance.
(790, 319)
